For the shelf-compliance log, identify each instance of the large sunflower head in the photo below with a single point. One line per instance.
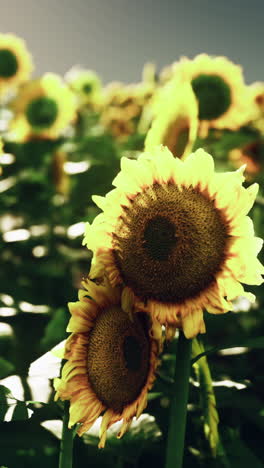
(15, 62)
(43, 108)
(218, 84)
(176, 122)
(176, 234)
(111, 360)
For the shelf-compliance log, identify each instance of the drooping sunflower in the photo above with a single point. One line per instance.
(176, 235)
(111, 360)
(218, 84)
(43, 108)
(176, 122)
(15, 62)
(86, 84)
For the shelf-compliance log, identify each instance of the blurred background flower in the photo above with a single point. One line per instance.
(15, 62)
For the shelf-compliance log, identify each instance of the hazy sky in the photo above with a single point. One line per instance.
(116, 37)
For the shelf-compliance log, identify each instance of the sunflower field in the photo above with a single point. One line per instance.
(131, 305)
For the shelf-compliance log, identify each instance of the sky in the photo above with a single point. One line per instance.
(116, 37)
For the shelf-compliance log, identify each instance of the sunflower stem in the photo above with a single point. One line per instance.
(66, 446)
(178, 407)
(208, 401)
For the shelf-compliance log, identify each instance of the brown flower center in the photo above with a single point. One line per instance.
(169, 243)
(213, 94)
(8, 63)
(118, 357)
(87, 88)
(159, 237)
(260, 100)
(42, 112)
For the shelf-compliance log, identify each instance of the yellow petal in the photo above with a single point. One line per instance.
(193, 323)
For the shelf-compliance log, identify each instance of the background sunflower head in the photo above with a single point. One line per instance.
(218, 84)
(124, 106)
(15, 62)
(251, 154)
(86, 84)
(257, 95)
(43, 108)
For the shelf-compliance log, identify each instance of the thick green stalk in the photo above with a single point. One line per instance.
(66, 446)
(178, 407)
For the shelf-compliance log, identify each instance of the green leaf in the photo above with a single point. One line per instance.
(4, 392)
(246, 342)
(218, 144)
(239, 454)
(135, 142)
(20, 411)
(56, 329)
(154, 395)
(6, 368)
(99, 148)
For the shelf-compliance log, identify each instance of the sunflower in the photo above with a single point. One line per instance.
(86, 84)
(176, 123)
(130, 98)
(176, 234)
(118, 123)
(257, 95)
(43, 108)
(124, 107)
(111, 360)
(218, 84)
(251, 154)
(15, 62)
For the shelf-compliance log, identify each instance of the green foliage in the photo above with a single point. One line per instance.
(4, 392)
(55, 329)
(250, 343)
(20, 411)
(6, 368)
(218, 144)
